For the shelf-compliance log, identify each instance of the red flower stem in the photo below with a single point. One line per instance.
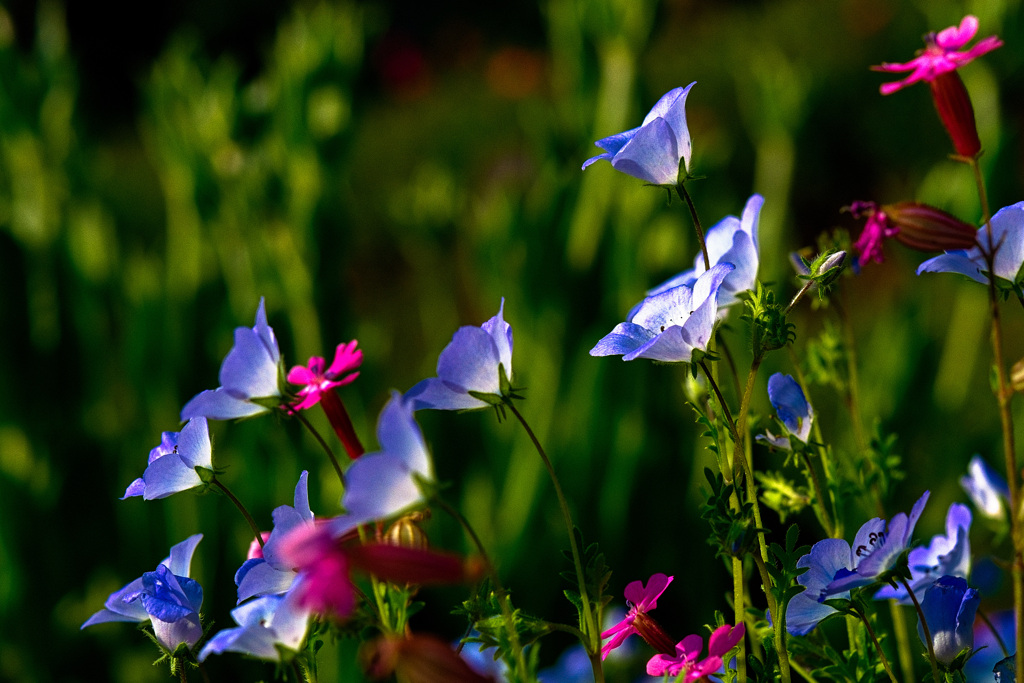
(336, 414)
(312, 430)
(1003, 398)
(241, 508)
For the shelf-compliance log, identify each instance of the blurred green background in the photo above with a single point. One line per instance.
(388, 172)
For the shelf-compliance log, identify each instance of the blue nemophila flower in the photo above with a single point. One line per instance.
(1007, 237)
(271, 574)
(988, 491)
(384, 484)
(173, 464)
(731, 240)
(669, 326)
(826, 559)
(250, 376)
(264, 625)
(876, 549)
(470, 363)
(167, 598)
(659, 150)
(792, 409)
(948, 554)
(949, 607)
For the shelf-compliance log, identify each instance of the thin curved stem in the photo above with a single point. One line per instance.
(685, 196)
(241, 508)
(878, 646)
(778, 619)
(330, 454)
(899, 627)
(593, 648)
(721, 401)
(992, 628)
(926, 629)
(739, 455)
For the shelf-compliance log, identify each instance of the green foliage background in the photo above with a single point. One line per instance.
(391, 206)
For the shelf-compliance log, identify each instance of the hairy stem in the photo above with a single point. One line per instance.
(878, 646)
(778, 619)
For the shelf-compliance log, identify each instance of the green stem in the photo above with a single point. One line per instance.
(807, 676)
(899, 627)
(739, 455)
(799, 295)
(330, 454)
(591, 626)
(721, 401)
(999, 638)
(732, 366)
(738, 600)
(926, 629)
(878, 646)
(778, 619)
(506, 610)
(819, 495)
(685, 196)
(1004, 397)
(853, 390)
(241, 508)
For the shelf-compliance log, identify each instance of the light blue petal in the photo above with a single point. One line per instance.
(266, 334)
(218, 404)
(613, 143)
(790, 404)
(623, 339)
(180, 559)
(168, 475)
(105, 615)
(672, 108)
(290, 621)
(194, 447)
(607, 156)
(1008, 235)
(379, 485)
(434, 394)
(954, 262)
(669, 347)
(172, 634)
(136, 488)
(249, 370)
(501, 333)
(651, 155)
(659, 312)
(988, 491)
(400, 435)
(264, 579)
(470, 361)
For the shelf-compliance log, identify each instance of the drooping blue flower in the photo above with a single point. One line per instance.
(948, 554)
(250, 376)
(172, 464)
(469, 363)
(658, 151)
(876, 549)
(383, 484)
(949, 607)
(669, 326)
(731, 240)
(1005, 670)
(826, 559)
(1007, 236)
(792, 409)
(988, 491)
(271, 574)
(167, 598)
(264, 625)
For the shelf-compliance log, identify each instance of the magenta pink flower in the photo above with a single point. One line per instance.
(877, 229)
(940, 55)
(316, 381)
(688, 650)
(641, 601)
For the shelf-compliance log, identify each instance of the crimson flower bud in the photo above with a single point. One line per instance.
(954, 107)
(416, 659)
(926, 228)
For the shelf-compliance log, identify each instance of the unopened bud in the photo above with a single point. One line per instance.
(1017, 375)
(416, 658)
(954, 107)
(406, 531)
(652, 632)
(926, 228)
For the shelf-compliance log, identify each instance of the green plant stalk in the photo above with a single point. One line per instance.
(685, 196)
(739, 599)
(1004, 397)
(506, 611)
(899, 627)
(241, 508)
(593, 648)
(853, 390)
(739, 455)
(330, 454)
(878, 646)
(779, 620)
(819, 496)
(927, 631)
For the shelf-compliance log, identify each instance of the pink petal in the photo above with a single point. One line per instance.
(956, 37)
(301, 375)
(725, 638)
(346, 358)
(645, 599)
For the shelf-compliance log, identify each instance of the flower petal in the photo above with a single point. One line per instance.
(651, 155)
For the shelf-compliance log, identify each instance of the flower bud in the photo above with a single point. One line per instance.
(405, 531)
(416, 659)
(926, 228)
(954, 107)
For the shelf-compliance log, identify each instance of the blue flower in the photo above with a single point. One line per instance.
(167, 598)
(792, 408)
(250, 377)
(271, 574)
(669, 326)
(383, 484)
(264, 625)
(876, 549)
(949, 607)
(731, 240)
(1008, 238)
(826, 559)
(947, 554)
(470, 363)
(987, 490)
(172, 464)
(659, 150)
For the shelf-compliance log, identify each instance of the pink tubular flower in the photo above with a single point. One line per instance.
(940, 56)
(316, 381)
(877, 229)
(641, 601)
(688, 650)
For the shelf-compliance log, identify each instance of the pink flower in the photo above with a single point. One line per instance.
(688, 650)
(255, 549)
(877, 229)
(316, 381)
(940, 55)
(641, 601)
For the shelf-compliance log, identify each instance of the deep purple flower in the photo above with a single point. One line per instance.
(669, 326)
(470, 363)
(173, 464)
(250, 376)
(659, 150)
